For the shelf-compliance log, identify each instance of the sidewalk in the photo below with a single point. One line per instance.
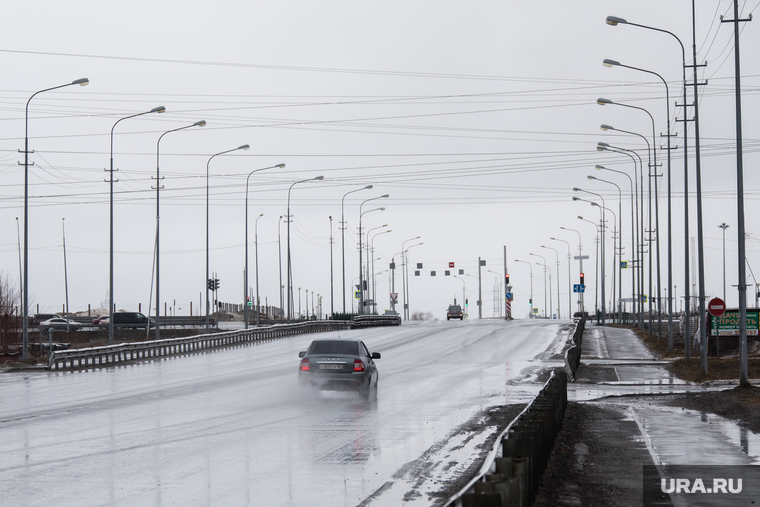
(622, 419)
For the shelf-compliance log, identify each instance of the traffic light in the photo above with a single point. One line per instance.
(530, 301)
(210, 284)
(583, 279)
(506, 278)
(216, 284)
(248, 300)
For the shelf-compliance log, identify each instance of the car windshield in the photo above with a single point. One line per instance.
(454, 308)
(334, 347)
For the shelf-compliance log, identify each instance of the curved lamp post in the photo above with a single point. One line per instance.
(620, 239)
(289, 219)
(371, 268)
(25, 286)
(368, 248)
(256, 255)
(603, 256)
(201, 123)
(208, 163)
(559, 306)
(569, 282)
(159, 109)
(550, 287)
(603, 102)
(361, 278)
(405, 275)
(596, 277)
(405, 272)
(343, 238)
(245, 282)
(614, 21)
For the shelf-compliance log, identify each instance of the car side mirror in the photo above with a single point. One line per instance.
(376, 355)
(302, 353)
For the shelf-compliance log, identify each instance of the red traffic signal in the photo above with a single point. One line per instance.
(583, 279)
(506, 278)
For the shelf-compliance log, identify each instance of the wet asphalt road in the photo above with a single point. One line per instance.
(230, 427)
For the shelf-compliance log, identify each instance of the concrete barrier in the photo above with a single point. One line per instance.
(512, 470)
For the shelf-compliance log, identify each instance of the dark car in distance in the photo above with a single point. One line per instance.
(130, 320)
(454, 312)
(339, 365)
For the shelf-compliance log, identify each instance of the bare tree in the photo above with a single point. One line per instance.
(10, 316)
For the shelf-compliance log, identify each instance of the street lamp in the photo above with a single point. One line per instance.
(580, 254)
(613, 63)
(201, 123)
(614, 21)
(370, 283)
(550, 287)
(603, 243)
(620, 246)
(724, 226)
(367, 248)
(405, 275)
(361, 279)
(289, 219)
(530, 315)
(343, 238)
(159, 109)
(279, 265)
(596, 276)
(464, 296)
(25, 285)
(245, 275)
(569, 283)
(559, 307)
(638, 251)
(208, 163)
(603, 102)
(405, 272)
(256, 243)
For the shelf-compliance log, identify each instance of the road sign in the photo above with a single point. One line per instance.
(716, 307)
(535, 310)
(451, 264)
(579, 288)
(623, 264)
(581, 257)
(394, 296)
(357, 294)
(509, 296)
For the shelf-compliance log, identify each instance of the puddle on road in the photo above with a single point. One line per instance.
(677, 436)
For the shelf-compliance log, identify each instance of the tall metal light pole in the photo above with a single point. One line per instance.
(559, 306)
(25, 285)
(639, 246)
(724, 226)
(550, 288)
(603, 221)
(201, 123)
(245, 281)
(614, 21)
(620, 244)
(289, 219)
(581, 305)
(603, 102)
(405, 272)
(368, 249)
(256, 247)
(159, 109)
(361, 278)
(596, 276)
(464, 295)
(208, 163)
(371, 281)
(530, 315)
(332, 300)
(403, 282)
(569, 282)
(343, 238)
(279, 264)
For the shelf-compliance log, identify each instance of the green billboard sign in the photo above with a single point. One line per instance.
(728, 324)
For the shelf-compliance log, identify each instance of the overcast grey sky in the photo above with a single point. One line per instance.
(478, 119)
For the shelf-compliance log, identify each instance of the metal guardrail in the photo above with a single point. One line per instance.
(513, 467)
(573, 354)
(98, 357)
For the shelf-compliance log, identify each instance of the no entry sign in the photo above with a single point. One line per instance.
(716, 307)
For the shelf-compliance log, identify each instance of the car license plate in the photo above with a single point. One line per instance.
(330, 366)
